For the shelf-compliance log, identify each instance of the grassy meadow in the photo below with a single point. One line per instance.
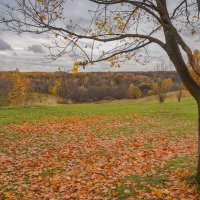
(109, 150)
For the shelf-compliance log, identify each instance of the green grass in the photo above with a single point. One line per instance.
(186, 109)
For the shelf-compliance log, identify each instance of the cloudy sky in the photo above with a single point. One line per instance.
(27, 53)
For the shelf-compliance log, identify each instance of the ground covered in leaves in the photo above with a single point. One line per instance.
(122, 156)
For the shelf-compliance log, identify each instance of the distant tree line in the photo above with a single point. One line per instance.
(16, 87)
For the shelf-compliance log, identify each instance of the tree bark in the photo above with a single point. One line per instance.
(174, 53)
(189, 82)
(192, 86)
(198, 3)
(175, 56)
(198, 165)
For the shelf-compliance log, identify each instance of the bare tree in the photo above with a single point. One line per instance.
(128, 25)
(179, 93)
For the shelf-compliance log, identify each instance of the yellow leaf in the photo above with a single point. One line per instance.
(77, 63)
(110, 31)
(88, 185)
(157, 192)
(74, 70)
(196, 53)
(42, 18)
(193, 31)
(7, 195)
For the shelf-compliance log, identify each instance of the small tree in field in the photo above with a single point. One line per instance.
(134, 92)
(5, 85)
(60, 88)
(55, 89)
(127, 25)
(18, 94)
(180, 92)
(161, 87)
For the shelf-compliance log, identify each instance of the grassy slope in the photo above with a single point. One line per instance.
(186, 109)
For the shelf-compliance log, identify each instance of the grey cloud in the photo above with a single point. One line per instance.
(14, 54)
(77, 11)
(4, 46)
(36, 48)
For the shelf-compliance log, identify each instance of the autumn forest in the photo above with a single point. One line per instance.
(19, 88)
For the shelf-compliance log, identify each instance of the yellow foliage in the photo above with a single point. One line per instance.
(8, 196)
(77, 63)
(42, 18)
(19, 91)
(74, 70)
(160, 88)
(101, 25)
(114, 62)
(157, 192)
(110, 31)
(196, 57)
(134, 92)
(194, 32)
(56, 87)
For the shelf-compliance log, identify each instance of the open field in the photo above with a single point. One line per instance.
(118, 150)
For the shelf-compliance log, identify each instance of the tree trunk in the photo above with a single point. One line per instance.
(178, 61)
(198, 165)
